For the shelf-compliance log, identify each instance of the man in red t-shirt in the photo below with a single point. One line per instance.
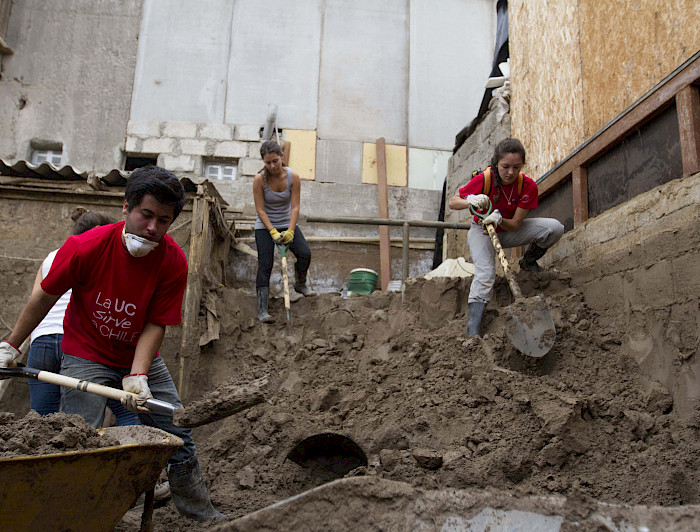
(128, 281)
(511, 203)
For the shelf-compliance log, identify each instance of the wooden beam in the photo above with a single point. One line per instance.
(579, 180)
(655, 101)
(688, 108)
(383, 203)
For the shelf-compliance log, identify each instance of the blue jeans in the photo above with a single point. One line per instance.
(92, 407)
(45, 398)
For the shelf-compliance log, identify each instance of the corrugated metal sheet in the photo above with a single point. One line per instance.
(49, 172)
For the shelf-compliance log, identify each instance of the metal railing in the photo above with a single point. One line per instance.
(406, 224)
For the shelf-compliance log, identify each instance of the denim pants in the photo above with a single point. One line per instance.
(45, 398)
(92, 407)
(545, 232)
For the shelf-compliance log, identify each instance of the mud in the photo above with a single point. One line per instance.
(226, 400)
(56, 433)
(395, 374)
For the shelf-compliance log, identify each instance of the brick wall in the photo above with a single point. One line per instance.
(182, 146)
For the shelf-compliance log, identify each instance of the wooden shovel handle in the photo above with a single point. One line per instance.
(285, 281)
(510, 277)
(84, 386)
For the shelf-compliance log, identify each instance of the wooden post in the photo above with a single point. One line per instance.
(688, 109)
(286, 152)
(579, 179)
(383, 201)
(199, 238)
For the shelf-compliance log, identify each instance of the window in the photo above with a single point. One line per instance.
(54, 157)
(223, 171)
(134, 162)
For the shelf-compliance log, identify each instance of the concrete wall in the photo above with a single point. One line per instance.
(474, 154)
(350, 71)
(640, 260)
(69, 80)
(183, 54)
(451, 50)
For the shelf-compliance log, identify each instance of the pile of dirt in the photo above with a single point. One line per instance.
(395, 374)
(55, 433)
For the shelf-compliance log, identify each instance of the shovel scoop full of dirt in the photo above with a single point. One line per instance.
(530, 327)
(225, 400)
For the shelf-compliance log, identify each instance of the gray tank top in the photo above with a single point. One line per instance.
(278, 205)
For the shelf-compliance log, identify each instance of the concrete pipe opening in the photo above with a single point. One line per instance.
(328, 456)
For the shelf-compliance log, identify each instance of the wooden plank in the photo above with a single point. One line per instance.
(688, 108)
(383, 204)
(580, 182)
(286, 151)
(199, 237)
(646, 108)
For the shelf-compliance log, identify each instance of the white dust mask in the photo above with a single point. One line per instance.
(136, 245)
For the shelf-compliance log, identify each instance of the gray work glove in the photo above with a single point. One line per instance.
(494, 218)
(8, 354)
(137, 384)
(480, 202)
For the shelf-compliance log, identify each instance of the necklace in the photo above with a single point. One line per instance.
(509, 197)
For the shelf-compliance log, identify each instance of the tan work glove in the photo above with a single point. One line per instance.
(287, 236)
(276, 235)
(138, 384)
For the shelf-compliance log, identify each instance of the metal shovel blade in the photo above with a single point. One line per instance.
(530, 327)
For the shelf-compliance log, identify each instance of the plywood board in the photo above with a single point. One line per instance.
(547, 98)
(302, 155)
(577, 65)
(396, 165)
(627, 47)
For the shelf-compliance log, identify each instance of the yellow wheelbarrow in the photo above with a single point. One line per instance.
(84, 490)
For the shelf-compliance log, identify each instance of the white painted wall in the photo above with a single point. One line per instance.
(182, 61)
(427, 168)
(452, 43)
(364, 71)
(274, 58)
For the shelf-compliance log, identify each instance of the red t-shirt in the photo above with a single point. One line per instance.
(115, 294)
(506, 198)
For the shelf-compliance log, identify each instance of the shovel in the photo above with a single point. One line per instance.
(529, 327)
(285, 278)
(84, 386)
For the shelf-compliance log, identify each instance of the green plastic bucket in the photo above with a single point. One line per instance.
(362, 281)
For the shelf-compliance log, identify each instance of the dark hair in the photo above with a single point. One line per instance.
(269, 146)
(84, 220)
(159, 183)
(503, 148)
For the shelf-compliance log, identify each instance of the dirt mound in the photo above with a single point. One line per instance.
(54, 433)
(395, 374)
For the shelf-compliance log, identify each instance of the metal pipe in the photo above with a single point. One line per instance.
(270, 122)
(383, 221)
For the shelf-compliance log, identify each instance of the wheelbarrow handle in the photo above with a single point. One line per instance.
(155, 405)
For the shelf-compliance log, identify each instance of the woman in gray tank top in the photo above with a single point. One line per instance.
(277, 193)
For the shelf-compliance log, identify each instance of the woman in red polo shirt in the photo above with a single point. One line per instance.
(512, 195)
